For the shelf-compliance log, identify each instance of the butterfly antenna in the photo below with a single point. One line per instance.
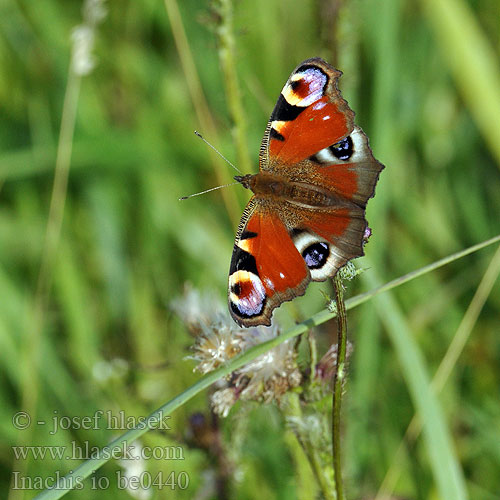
(207, 191)
(218, 152)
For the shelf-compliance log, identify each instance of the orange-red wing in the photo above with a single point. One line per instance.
(266, 268)
(310, 115)
(320, 125)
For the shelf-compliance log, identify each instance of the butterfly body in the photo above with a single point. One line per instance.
(281, 190)
(307, 216)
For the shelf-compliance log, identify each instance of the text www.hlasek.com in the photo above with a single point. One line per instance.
(85, 451)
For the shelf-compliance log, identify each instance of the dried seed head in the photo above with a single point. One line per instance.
(264, 379)
(215, 345)
(83, 37)
(218, 339)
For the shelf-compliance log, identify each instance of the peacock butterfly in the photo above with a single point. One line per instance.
(306, 218)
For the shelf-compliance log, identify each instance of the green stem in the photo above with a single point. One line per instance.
(31, 355)
(338, 382)
(227, 56)
(293, 409)
(202, 110)
(313, 353)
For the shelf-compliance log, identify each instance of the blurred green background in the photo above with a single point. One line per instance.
(85, 316)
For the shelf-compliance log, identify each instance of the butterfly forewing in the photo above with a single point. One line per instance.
(266, 268)
(309, 116)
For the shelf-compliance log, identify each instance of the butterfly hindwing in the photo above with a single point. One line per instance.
(277, 254)
(327, 239)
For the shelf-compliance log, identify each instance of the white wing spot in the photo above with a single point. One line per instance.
(319, 105)
(325, 156)
(269, 284)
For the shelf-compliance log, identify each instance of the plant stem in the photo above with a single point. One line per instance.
(228, 60)
(324, 480)
(202, 110)
(35, 325)
(338, 382)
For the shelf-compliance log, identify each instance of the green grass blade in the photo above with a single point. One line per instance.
(444, 462)
(472, 61)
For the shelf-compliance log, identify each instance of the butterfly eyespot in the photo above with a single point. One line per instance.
(247, 294)
(344, 149)
(316, 255)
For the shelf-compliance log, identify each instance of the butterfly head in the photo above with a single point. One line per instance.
(244, 180)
